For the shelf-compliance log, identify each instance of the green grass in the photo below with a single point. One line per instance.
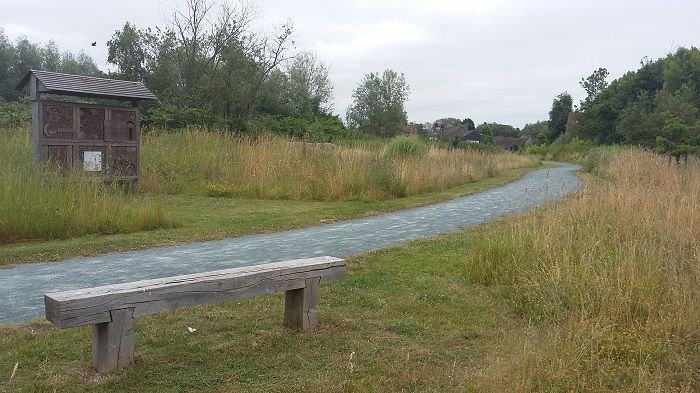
(596, 293)
(405, 319)
(404, 146)
(208, 218)
(47, 203)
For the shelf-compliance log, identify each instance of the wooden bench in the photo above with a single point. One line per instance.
(111, 309)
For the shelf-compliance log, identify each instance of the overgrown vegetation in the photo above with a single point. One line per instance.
(14, 114)
(595, 293)
(206, 64)
(268, 167)
(45, 204)
(609, 280)
(403, 146)
(16, 58)
(51, 205)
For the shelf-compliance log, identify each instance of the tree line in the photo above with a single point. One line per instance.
(209, 67)
(656, 106)
(16, 58)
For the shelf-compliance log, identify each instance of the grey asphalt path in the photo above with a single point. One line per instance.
(22, 287)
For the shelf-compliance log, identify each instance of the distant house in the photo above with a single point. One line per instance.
(473, 136)
(460, 133)
(452, 132)
(510, 143)
(411, 130)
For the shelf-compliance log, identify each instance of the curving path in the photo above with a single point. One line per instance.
(22, 287)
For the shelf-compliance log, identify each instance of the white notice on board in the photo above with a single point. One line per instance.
(92, 161)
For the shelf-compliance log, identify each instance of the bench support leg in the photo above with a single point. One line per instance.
(113, 342)
(301, 306)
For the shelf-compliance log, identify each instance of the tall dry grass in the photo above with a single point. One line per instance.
(51, 205)
(268, 167)
(610, 280)
(48, 203)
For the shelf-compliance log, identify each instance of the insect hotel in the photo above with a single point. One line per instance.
(98, 138)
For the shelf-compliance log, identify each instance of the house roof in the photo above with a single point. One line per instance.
(508, 142)
(450, 132)
(472, 135)
(88, 86)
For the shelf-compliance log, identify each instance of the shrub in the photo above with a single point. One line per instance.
(403, 146)
(169, 116)
(312, 129)
(537, 150)
(15, 114)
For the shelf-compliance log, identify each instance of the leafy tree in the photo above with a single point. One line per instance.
(487, 135)
(52, 59)
(6, 71)
(469, 123)
(19, 57)
(82, 64)
(655, 106)
(534, 129)
(378, 104)
(308, 89)
(594, 84)
(500, 129)
(447, 121)
(559, 115)
(638, 123)
(127, 50)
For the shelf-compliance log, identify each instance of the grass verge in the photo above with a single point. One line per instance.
(405, 319)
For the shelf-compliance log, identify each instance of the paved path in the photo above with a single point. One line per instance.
(22, 287)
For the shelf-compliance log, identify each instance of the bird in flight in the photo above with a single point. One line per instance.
(94, 43)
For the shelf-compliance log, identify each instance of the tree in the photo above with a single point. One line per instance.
(487, 135)
(82, 64)
(559, 116)
(6, 73)
(209, 63)
(127, 50)
(500, 129)
(308, 89)
(51, 57)
(594, 84)
(378, 104)
(469, 123)
(534, 129)
(18, 58)
(655, 106)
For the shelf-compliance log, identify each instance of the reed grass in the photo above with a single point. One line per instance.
(268, 167)
(609, 280)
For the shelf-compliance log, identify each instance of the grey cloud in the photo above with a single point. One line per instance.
(491, 60)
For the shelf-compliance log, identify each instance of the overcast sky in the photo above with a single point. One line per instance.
(491, 60)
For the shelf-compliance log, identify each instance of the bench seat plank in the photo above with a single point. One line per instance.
(93, 305)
